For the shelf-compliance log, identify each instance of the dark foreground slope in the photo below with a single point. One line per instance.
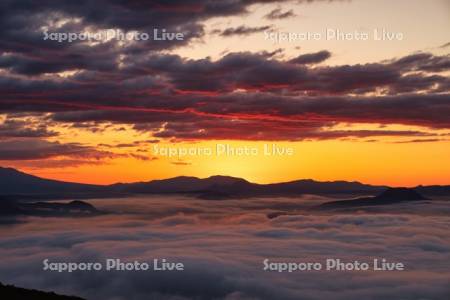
(10, 292)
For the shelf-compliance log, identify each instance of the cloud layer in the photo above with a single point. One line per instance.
(223, 245)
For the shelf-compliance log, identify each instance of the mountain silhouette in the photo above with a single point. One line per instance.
(181, 184)
(389, 196)
(18, 185)
(399, 194)
(14, 182)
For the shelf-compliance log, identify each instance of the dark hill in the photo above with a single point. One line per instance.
(73, 208)
(181, 184)
(399, 194)
(434, 190)
(10, 292)
(390, 196)
(13, 182)
(309, 186)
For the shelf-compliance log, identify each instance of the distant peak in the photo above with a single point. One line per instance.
(225, 179)
(401, 193)
(183, 177)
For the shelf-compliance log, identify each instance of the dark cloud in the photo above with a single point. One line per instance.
(56, 163)
(279, 14)
(34, 148)
(423, 62)
(130, 145)
(263, 116)
(142, 157)
(252, 71)
(420, 141)
(26, 52)
(181, 163)
(16, 128)
(244, 30)
(312, 58)
(307, 118)
(240, 95)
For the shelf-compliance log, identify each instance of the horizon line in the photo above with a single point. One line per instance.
(229, 176)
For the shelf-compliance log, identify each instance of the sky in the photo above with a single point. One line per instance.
(375, 109)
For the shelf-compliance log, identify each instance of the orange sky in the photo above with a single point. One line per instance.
(382, 161)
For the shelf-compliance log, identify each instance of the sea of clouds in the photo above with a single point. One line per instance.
(223, 244)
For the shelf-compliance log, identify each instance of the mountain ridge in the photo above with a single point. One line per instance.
(15, 182)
